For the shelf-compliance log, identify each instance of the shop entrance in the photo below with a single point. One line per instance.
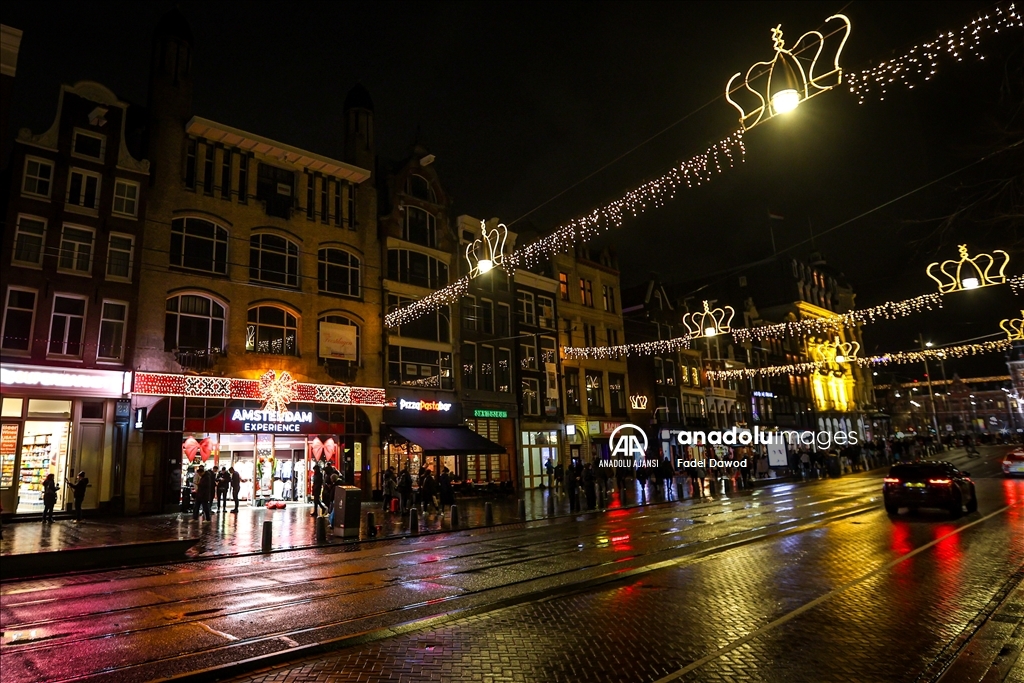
(538, 447)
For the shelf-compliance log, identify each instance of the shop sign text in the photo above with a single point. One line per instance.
(286, 421)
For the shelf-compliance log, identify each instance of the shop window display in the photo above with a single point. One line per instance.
(44, 450)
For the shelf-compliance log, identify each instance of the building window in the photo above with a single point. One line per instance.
(617, 393)
(547, 349)
(419, 368)
(325, 206)
(524, 308)
(435, 326)
(274, 260)
(586, 292)
(528, 353)
(608, 298)
(225, 174)
(531, 396)
(337, 201)
(199, 244)
(342, 320)
(76, 249)
(190, 163)
(419, 187)
(546, 312)
(338, 272)
(415, 268)
(38, 177)
(84, 189)
(126, 198)
(29, 240)
(595, 392)
(194, 322)
(243, 177)
(310, 197)
(113, 319)
(119, 257)
(485, 368)
(18, 318)
(469, 366)
(563, 286)
(670, 373)
(420, 227)
(208, 159)
(469, 314)
(485, 316)
(67, 326)
(504, 371)
(695, 376)
(271, 330)
(572, 391)
(88, 145)
(276, 187)
(351, 206)
(503, 323)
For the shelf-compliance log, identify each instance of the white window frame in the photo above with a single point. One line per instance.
(529, 309)
(131, 256)
(42, 246)
(89, 134)
(49, 330)
(78, 207)
(213, 300)
(431, 227)
(32, 322)
(321, 260)
(534, 386)
(25, 176)
(92, 251)
(124, 331)
(256, 243)
(121, 182)
(185, 236)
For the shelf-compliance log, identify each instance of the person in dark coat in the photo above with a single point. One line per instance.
(428, 489)
(49, 498)
(223, 483)
(405, 488)
(559, 476)
(204, 492)
(389, 488)
(445, 487)
(79, 487)
(318, 490)
(572, 488)
(590, 486)
(196, 478)
(330, 481)
(236, 485)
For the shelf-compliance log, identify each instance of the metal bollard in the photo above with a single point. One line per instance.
(522, 510)
(414, 521)
(371, 525)
(321, 530)
(268, 535)
(488, 514)
(455, 516)
(679, 489)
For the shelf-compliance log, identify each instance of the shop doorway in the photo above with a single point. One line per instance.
(45, 447)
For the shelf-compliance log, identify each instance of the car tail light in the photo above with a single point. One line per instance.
(891, 480)
(940, 481)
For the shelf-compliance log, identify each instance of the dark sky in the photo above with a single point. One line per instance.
(520, 101)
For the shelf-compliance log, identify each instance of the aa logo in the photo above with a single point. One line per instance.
(628, 441)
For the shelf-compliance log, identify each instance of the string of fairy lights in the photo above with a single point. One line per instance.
(897, 358)
(922, 61)
(919, 63)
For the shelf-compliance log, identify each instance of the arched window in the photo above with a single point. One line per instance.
(194, 322)
(339, 272)
(415, 268)
(274, 260)
(271, 329)
(419, 187)
(419, 227)
(199, 244)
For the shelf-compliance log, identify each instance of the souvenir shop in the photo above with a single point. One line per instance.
(273, 443)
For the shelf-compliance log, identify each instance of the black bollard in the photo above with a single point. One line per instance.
(455, 516)
(371, 524)
(488, 514)
(522, 510)
(268, 535)
(679, 489)
(321, 530)
(414, 521)
(551, 504)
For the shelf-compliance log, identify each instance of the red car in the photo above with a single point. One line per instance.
(1013, 463)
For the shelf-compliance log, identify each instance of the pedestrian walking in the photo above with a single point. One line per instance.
(405, 489)
(445, 490)
(197, 477)
(428, 489)
(549, 469)
(559, 476)
(236, 485)
(223, 484)
(389, 487)
(330, 481)
(667, 476)
(318, 489)
(204, 492)
(49, 498)
(79, 487)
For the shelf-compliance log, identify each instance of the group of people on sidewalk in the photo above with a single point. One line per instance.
(50, 488)
(325, 481)
(433, 493)
(211, 484)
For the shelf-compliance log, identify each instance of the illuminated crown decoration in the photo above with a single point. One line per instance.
(831, 353)
(709, 322)
(969, 272)
(638, 401)
(1014, 327)
(491, 245)
(277, 390)
(787, 76)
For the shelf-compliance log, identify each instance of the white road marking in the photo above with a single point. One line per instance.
(288, 641)
(817, 601)
(215, 632)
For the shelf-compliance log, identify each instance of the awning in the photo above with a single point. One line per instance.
(447, 440)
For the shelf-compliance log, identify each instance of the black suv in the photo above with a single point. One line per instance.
(929, 484)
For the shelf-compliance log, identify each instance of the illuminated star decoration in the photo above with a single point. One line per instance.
(277, 390)
(969, 272)
(1013, 327)
(781, 84)
(488, 251)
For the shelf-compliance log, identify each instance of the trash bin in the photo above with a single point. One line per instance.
(346, 511)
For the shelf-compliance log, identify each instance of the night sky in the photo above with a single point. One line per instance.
(521, 101)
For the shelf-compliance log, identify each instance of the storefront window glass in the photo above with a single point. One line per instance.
(41, 407)
(44, 450)
(12, 407)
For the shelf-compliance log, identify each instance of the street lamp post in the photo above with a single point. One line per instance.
(931, 394)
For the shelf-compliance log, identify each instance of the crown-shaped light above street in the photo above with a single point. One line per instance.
(638, 401)
(969, 272)
(831, 354)
(488, 251)
(780, 85)
(1014, 327)
(709, 322)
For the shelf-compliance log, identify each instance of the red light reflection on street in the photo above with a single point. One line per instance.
(901, 542)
